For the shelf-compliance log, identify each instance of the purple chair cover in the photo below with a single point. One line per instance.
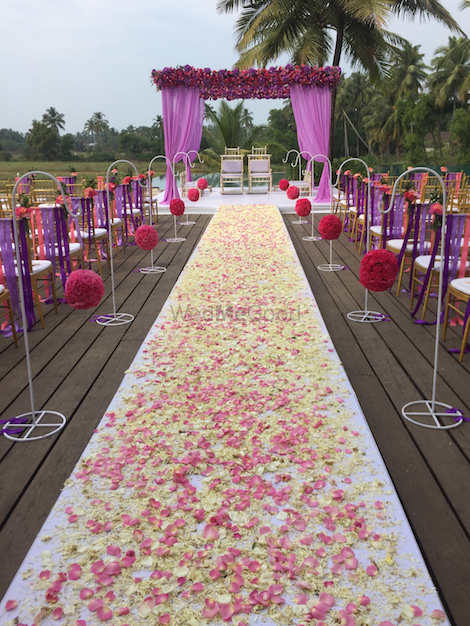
(138, 198)
(312, 113)
(455, 224)
(56, 242)
(183, 115)
(8, 261)
(392, 226)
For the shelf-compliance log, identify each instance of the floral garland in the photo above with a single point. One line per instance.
(230, 481)
(251, 84)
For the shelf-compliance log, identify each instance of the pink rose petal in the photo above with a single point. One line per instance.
(11, 604)
(104, 613)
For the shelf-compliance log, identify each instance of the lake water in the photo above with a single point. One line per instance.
(214, 179)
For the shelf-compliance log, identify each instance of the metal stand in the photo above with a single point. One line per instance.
(301, 221)
(35, 423)
(186, 223)
(114, 319)
(429, 411)
(176, 239)
(430, 405)
(311, 237)
(33, 419)
(330, 267)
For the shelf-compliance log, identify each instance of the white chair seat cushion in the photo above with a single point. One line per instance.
(396, 244)
(376, 230)
(37, 267)
(425, 260)
(353, 209)
(98, 232)
(116, 221)
(461, 284)
(2, 288)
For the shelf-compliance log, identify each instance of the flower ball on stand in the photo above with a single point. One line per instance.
(303, 207)
(84, 289)
(378, 271)
(202, 184)
(193, 195)
(177, 207)
(293, 192)
(146, 237)
(283, 184)
(330, 227)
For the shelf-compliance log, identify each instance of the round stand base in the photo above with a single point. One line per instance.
(119, 319)
(153, 269)
(310, 238)
(31, 430)
(423, 411)
(186, 223)
(368, 317)
(330, 267)
(301, 221)
(176, 239)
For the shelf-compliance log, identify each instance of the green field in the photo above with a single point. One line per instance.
(11, 169)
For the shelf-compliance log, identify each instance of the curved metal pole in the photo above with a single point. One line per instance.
(159, 156)
(297, 160)
(20, 275)
(441, 268)
(109, 223)
(310, 164)
(368, 204)
(184, 154)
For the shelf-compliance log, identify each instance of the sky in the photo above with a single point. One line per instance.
(85, 56)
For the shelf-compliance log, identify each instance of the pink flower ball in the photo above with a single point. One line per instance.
(330, 227)
(146, 237)
(378, 271)
(84, 289)
(303, 207)
(193, 195)
(202, 183)
(293, 192)
(283, 184)
(177, 207)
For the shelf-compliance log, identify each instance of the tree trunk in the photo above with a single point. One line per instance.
(346, 145)
(336, 60)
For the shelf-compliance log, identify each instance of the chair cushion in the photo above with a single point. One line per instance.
(98, 232)
(376, 230)
(2, 288)
(425, 260)
(260, 166)
(461, 284)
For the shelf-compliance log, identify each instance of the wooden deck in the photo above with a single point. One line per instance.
(78, 366)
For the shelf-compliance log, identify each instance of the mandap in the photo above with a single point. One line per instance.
(184, 90)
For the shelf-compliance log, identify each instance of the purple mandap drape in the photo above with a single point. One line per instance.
(312, 113)
(183, 115)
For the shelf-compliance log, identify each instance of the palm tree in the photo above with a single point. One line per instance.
(227, 129)
(451, 78)
(96, 125)
(53, 119)
(408, 74)
(354, 94)
(303, 29)
(383, 123)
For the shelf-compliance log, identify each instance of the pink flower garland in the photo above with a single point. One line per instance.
(252, 83)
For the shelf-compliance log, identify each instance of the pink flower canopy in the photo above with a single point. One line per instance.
(184, 90)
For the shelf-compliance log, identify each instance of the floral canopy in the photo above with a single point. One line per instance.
(184, 90)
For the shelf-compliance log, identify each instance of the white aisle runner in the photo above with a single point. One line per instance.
(233, 478)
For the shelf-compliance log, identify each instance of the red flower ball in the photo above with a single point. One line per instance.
(146, 237)
(303, 207)
(202, 183)
(84, 289)
(293, 192)
(378, 270)
(193, 195)
(330, 227)
(283, 184)
(177, 207)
